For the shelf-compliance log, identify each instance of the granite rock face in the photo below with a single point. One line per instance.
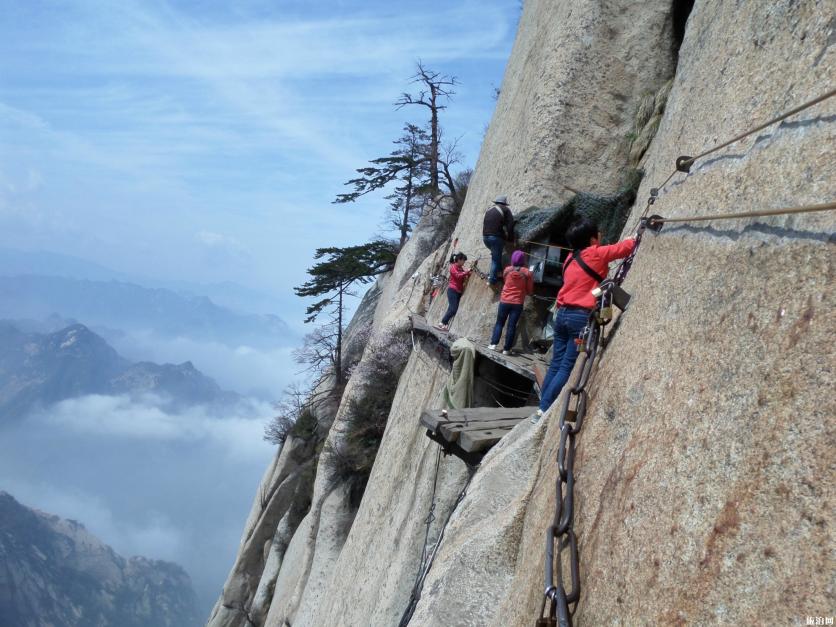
(54, 572)
(703, 451)
(704, 482)
(577, 74)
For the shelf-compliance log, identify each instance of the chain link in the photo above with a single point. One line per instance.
(560, 535)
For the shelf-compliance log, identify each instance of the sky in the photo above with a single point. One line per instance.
(205, 141)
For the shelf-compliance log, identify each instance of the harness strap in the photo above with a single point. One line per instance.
(576, 256)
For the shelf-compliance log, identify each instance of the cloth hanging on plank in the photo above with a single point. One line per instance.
(458, 393)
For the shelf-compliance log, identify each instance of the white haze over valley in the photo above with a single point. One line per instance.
(197, 147)
(173, 486)
(253, 371)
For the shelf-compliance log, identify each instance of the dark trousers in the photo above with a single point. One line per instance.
(496, 245)
(568, 323)
(511, 313)
(453, 298)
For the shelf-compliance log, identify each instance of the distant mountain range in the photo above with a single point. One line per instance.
(227, 294)
(54, 572)
(130, 307)
(42, 369)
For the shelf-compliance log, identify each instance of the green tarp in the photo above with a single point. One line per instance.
(458, 393)
(538, 224)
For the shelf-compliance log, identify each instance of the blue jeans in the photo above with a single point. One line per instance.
(453, 298)
(496, 244)
(511, 313)
(568, 323)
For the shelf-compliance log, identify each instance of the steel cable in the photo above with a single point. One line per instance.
(746, 214)
(689, 161)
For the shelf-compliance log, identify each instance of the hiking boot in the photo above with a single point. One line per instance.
(535, 417)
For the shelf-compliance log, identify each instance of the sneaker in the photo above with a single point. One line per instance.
(492, 347)
(535, 417)
(442, 327)
(506, 352)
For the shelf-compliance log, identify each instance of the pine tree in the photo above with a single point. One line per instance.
(333, 278)
(420, 163)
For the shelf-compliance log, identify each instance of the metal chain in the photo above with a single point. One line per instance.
(560, 536)
(561, 533)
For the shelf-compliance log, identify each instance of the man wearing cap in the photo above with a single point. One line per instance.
(497, 229)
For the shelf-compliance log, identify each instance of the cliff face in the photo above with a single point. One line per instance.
(703, 480)
(53, 572)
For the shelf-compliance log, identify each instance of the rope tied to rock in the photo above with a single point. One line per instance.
(685, 162)
(655, 222)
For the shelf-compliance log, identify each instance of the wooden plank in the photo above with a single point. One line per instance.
(420, 324)
(478, 424)
(487, 413)
(432, 418)
(521, 363)
(474, 441)
(455, 430)
(508, 361)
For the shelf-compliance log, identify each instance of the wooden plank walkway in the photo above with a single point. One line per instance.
(470, 433)
(529, 365)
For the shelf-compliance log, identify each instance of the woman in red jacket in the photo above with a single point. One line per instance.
(454, 290)
(518, 283)
(583, 270)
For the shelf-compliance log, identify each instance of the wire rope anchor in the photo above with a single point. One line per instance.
(654, 223)
(684, 163)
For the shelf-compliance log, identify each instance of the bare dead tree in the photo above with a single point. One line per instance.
(435, 88)
(318, 352)
(288, 410)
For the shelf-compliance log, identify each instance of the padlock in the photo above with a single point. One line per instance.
(581, 344)
(605, 314)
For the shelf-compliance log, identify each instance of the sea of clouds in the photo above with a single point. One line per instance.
(172, 486)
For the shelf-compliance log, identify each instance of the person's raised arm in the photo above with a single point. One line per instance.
(617, 251)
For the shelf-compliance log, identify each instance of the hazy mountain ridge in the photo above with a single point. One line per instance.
(227, 294)
(37, 369)
(123, 305)
(54, 572)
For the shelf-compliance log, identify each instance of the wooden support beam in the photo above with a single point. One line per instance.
(469, 433)
(522, 364)
(477, 441)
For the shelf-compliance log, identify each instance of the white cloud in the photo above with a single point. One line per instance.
(245, 369)
(216, 239)
(237, 435)
(156, 536)
(174, 486)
